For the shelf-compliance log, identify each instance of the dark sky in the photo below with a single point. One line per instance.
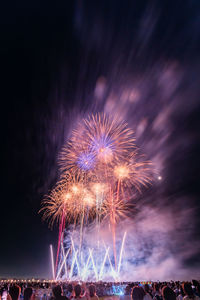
(52, 55)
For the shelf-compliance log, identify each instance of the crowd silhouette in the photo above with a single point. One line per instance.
(173, 290)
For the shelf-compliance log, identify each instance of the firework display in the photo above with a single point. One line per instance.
(101, 174)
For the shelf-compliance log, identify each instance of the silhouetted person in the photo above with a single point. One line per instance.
(187, 288)
(137, 293)
(14, 292)
(28, 293)
(92, 292)
(57, 293)
(77, 293)
(168, 294)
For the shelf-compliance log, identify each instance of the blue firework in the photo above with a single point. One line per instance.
(86, 161)
(103, 146)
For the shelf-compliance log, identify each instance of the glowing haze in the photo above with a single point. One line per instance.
(157, 248)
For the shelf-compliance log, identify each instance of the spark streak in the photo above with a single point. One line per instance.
(52, 262)
(102, 266)
(73, 262)
(63, 252)
(86, 266)
(64, 259)
(121, 251)
(93, 263)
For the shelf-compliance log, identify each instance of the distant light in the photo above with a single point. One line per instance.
(159, 177)
(75, 189)
(67, 196)
(98, 188)
(121, 172)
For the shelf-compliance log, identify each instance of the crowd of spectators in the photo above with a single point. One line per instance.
(93, 291)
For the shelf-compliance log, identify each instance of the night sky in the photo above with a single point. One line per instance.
(55, 58)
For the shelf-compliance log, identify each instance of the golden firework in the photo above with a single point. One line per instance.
(71, 199)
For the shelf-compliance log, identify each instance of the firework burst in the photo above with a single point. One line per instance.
(101, 172)
(133, 173)
(70, 198)
(115, 209)
(97, 139)
(100, 157)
